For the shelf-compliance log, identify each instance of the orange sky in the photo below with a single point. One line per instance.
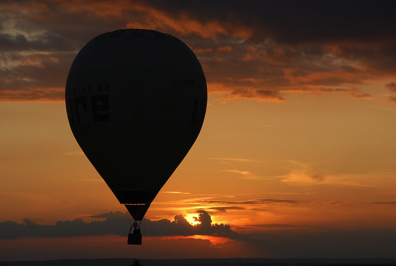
(296, 152)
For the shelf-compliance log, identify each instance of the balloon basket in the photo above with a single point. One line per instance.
(135, 239)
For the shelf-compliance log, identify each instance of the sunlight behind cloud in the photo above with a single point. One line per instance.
(192, 218)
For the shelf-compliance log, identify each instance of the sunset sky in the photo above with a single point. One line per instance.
(296, 157)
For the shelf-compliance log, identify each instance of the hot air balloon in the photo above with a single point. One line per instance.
(136, 101)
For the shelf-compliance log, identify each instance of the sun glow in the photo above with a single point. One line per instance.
(192, 218)
(213, 239)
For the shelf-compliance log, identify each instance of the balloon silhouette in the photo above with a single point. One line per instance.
(136, 101)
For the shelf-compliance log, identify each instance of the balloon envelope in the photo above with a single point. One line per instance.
(136, 102)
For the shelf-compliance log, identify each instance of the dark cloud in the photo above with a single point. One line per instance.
(267, 95)
(279, 240)
(339, 203)
(376, 58)
(292, 21)
(391, 87)
(45, 42)
(252, 202)
(257, 202)
(180, 226)
(225, 209)
(392, 99)
(357, 93)
(117, 224)
(114, 225)
(317, 177)
(36, 77)
(264, 50)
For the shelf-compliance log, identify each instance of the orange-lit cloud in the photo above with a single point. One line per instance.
(224, 49)
(245, 51)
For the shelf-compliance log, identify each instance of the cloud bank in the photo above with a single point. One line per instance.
(117, 224)
(262, 50)
(278, 240)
